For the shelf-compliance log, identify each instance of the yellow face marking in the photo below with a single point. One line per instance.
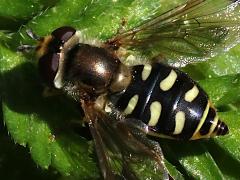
(191, 94)
(204, 116)
(58, 80)
(169, 81)
(155, 110)
(146, 71)
(131, 104)
(179, 122)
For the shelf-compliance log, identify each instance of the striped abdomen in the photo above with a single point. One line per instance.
(170, 102)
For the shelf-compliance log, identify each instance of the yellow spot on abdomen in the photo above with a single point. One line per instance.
(155, 110)
(169, 81)
(146, 71)
(131, 104)
(191, 94)
(179, 122)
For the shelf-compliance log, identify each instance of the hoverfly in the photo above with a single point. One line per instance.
(123, 105)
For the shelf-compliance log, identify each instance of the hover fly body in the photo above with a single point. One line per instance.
(122, 104)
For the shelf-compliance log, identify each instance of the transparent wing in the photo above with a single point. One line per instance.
(190, 32)
(123, 149)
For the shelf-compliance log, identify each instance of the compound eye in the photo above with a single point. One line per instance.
(63, 33)
(48, 66)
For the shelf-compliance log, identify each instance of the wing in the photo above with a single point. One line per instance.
(123, 150)
(191, 32)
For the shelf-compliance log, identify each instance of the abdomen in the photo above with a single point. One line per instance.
(170, 103)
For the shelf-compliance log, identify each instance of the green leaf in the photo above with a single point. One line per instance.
(230, 145)
(221, 65)
(194, 158)
(12, 157)
(223, 90)
(16, 12)
(22, 8)
(44, 125)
